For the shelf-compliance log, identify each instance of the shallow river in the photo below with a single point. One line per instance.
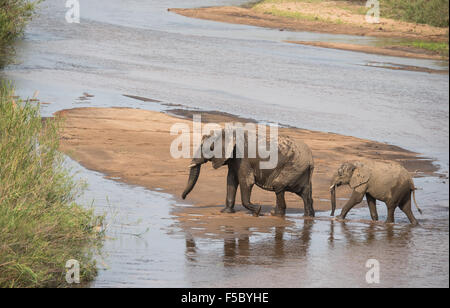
(137, 47)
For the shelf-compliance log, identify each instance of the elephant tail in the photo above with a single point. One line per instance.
(414, 198)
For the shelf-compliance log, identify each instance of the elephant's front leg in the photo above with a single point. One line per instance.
(280, 209)
(372, 202)
(232, 185)
(246, 191)
(355, 198)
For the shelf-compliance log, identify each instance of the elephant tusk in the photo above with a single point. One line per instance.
(192, 165)
(332, 186)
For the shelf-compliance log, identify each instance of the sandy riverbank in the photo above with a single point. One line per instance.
(133, 146)
(327, 17)
(406, 52)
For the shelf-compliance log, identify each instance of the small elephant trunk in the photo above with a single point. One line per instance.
(333, 199)
(194, 173)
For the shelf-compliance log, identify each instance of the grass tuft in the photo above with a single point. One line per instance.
(437, 47)
(41, 227)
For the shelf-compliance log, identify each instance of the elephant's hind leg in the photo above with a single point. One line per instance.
(280, 209)
(372, 202)
(306, 195)
(246, 192)
(390, 215)
(406, 208)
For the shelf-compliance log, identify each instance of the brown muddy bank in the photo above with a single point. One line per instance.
(133, 146)
(246, 16)
(356, 25)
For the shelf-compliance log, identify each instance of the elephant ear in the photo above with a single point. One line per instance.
(360, 176)
(228, 144)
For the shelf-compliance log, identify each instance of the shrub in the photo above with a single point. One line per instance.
(14, 15)
(431, 12)
(41, 227)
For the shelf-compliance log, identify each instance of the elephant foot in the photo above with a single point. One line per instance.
(228, 210)
(339, 218)
(254, 210)
(257, 212)
(309, 214)
(278, 213)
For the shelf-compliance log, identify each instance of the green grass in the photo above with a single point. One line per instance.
(41, 227)
(438, 47)
(295, 15)
(289, 14)
(14, 15)
(431, 12)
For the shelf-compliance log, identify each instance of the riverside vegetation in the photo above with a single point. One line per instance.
(41, 225)
(14, 15)
(429, 12)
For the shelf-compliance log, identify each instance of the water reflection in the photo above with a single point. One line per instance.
(324, 252)
(241, 248)
(191, 249)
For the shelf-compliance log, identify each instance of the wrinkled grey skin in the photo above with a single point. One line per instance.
(293, 173)
(387, 182)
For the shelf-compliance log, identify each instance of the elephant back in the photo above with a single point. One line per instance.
(294, 149)
(294, 161)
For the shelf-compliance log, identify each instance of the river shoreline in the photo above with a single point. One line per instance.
(133, 146)
(393, 51)
(399, 30)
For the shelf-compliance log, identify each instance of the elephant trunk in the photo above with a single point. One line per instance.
(333, 199)
(334, 184)
(193, 177)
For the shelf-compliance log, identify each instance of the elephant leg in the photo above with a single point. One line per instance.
(372, 207)
(232, 185)
(246, 191)
(308, 201)
(390, 216)
(406, 208)
(280, 209)
(355, 198)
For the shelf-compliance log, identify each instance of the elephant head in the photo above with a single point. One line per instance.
(353, 174)
(217, 148)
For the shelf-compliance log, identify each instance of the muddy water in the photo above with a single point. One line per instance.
(139, 48)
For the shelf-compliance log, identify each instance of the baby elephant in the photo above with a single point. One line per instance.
(385, 181)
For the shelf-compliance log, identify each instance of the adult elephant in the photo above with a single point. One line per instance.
(385, 181)
(292, 172)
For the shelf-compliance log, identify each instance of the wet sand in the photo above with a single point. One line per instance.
(411, 68)
(393, 51)
(386, 29)
(133, 145)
